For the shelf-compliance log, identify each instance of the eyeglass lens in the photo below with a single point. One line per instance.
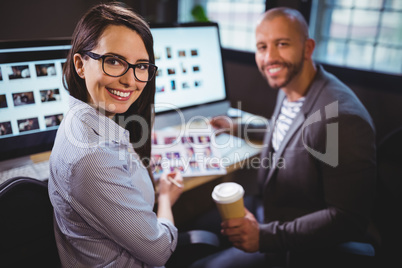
(117, 67)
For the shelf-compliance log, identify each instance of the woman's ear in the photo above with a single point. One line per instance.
(79, 65)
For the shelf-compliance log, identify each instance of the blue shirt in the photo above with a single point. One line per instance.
(103, 197)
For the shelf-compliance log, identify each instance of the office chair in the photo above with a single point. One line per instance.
(388, 210)
(349, 254)
(27, 236)
(26, 225)
(193, 245)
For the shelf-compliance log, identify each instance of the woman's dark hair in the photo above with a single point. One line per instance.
(85, 38)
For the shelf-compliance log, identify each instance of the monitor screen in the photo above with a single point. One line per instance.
(33, 100)
(190, 67)
(190, 80)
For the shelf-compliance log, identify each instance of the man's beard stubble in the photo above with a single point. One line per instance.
(293, 71)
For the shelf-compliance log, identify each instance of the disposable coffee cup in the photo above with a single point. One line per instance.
(228, 197)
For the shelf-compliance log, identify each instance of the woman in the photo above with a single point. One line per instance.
(102, 194)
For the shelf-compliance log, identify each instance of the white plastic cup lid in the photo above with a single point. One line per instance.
(227, 192)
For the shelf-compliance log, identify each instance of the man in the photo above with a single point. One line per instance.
(321, 194)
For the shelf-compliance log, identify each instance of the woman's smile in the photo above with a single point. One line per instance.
(122, 95)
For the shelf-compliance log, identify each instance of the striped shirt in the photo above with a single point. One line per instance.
(103, 197)
(289, 110)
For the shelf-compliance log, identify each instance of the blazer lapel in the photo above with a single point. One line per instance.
(263, 172)
(297, 123)
(311, 97)
(281, 97)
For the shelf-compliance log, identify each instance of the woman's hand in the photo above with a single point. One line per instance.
(171, 185)
(170, 189)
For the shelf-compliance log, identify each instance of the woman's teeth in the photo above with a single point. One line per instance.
(119, 93)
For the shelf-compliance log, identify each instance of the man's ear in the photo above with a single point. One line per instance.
(79, 65)
(309, 48)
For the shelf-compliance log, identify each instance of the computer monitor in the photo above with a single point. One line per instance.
(190, 80)
(33, 100)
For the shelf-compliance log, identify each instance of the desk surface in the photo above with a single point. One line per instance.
(36, 158)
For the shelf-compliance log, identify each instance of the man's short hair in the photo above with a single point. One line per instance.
(292, 14)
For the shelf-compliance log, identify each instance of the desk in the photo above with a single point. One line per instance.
(36, 158)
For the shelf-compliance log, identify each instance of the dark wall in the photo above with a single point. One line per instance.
(36, 19)
(248, 91)
(25, 19)
(383, 104)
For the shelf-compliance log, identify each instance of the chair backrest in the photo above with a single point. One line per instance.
(26, 225)
(390, 165)
(388, 209)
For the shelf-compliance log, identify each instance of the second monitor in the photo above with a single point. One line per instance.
(190, 80)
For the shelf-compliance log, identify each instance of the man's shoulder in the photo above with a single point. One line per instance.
(336, 94)
(333, 89)
(330, 81)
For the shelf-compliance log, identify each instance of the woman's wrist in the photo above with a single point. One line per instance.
(164, 198)
(164, 207)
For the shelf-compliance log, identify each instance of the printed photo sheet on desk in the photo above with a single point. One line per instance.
(193, 153)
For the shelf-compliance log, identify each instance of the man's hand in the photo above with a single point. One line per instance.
(244, 232)
(224, 124)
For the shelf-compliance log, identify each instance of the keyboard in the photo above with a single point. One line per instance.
(38, 171)
(234, 149)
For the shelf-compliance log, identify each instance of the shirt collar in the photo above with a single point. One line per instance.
(101, 124)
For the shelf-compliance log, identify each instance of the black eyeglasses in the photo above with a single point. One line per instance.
(115, 66)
